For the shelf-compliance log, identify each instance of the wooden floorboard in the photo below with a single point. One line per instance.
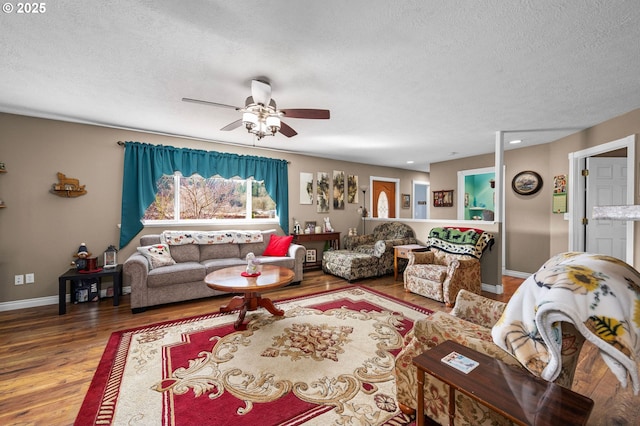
(47, 361)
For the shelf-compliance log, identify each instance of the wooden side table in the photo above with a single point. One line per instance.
(402, 252)
(332, 237)
(75, 276)
(513, 392)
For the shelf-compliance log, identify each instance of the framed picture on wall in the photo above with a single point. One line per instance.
(526, 183)
(443, 198)
(406, 201)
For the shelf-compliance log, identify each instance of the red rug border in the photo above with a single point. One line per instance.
(103, 370)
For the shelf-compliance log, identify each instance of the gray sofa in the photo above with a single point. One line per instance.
(184, 280)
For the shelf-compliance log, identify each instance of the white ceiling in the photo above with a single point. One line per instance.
(404, 80)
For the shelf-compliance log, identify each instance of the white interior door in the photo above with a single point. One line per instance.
(606, 186)
(420, 200)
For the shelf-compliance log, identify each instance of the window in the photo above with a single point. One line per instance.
(182, 199)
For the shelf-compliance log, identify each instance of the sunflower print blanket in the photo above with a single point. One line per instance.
(599, 294)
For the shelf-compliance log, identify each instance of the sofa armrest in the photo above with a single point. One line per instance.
(135, 271)
(299, 253)
(477, 309)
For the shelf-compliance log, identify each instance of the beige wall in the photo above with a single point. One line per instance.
(533, 233)
(40, 231)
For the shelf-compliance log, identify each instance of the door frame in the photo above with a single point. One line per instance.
(396, 201)
(462, 174)
(576, 186)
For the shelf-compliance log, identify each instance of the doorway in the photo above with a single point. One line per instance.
(606, 186)
(384, 202)
(578, 198)
(420, 200)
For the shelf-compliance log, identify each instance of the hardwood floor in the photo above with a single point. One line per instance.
(47, 361)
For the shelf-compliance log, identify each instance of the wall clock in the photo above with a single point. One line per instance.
(526, 183)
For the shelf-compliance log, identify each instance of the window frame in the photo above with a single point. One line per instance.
(248, 220)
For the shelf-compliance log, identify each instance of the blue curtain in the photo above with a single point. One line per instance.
(144, 164)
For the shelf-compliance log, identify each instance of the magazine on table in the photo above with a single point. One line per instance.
(460, 362)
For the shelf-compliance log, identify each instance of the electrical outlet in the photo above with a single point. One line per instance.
(29, 278)
(19, 279)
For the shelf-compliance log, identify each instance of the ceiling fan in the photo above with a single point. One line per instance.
(261, 116)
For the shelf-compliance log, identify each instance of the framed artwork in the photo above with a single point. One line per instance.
(310, 226)
(443, 198)
(311, 255)
(306, 188)
(406, 201)
(322, 192)
(352, 189)
(526, 183)
(338, 190)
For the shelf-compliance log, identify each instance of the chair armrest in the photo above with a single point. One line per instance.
(477, 309)
(467, 263)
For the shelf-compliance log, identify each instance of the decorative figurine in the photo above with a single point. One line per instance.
(252, 265)
(327, 225)
(297, 229)
(82, 255)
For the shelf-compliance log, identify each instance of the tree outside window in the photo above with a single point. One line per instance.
(191, 198)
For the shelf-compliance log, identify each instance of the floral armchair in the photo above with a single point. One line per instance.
(368, 255)
(452, 264)
(469, 323)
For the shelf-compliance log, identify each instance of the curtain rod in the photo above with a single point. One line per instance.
(122, 144)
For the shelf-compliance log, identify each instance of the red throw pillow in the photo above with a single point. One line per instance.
(278, 245)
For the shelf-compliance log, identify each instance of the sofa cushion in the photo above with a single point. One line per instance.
(176, 274)
(186, 253)
(435, 273)
(157, 255)
(278, 245)
(215, 264)
(219, 251)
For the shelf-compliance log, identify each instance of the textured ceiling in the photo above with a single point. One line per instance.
(404, 80)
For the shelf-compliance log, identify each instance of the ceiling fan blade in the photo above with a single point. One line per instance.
(306, 113)
(261, 92)
(286, 130)
(198, 101)
(232, 126)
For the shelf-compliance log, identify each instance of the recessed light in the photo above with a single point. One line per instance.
(410, 162)
(516, 141)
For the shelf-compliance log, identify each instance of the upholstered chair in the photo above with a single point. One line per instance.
(368, 255)
(440, 276)
(469, 324)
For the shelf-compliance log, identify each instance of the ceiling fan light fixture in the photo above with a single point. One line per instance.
(273, 124)
(250, 120)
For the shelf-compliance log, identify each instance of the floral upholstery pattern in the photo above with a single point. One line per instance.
(440, 276)
(368, 255)
(469, 324)
(349, 265)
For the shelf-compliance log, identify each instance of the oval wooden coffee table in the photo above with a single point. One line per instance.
(230, 280)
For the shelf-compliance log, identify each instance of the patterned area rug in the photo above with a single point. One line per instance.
(328, 361)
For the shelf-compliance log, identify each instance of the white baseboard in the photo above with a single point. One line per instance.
(43, 301)
(490, 288)
(517, 274)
